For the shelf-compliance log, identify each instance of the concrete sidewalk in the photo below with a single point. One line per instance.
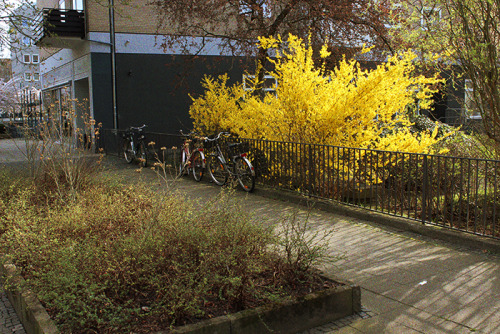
(410, 283)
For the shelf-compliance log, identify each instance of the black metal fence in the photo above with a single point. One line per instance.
(161, 146)
(457, 193)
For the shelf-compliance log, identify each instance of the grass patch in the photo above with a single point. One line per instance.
(115, 258)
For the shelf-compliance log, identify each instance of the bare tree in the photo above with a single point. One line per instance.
(9, 98)
(234, 25)
(457, 34)
(17, 22)
(474, 27)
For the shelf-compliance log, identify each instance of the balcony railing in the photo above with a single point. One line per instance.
(60, 23)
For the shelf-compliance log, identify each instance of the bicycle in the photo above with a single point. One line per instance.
(220, 169)
(192, 158)
(134, 147)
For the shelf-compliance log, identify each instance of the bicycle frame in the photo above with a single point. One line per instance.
(135, 136)
(220, 154)
(236, 165)
(188, 154)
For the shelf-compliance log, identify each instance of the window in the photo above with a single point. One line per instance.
(26, 41)
(35, 59)
(252, 8)
(472, 110)
(78, 4)
(429, 16)
(26, 59)
(270, 83)
(27, 76)
(36, 76)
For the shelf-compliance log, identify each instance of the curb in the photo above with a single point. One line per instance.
(435, 232)
(290, 316)
(30, 311)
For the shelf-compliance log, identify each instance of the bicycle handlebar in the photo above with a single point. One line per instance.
(138, 128)
(218, 136)
(191, 134)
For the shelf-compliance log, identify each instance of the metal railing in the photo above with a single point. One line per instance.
(54, 22)
(456, 193)
(111, 142)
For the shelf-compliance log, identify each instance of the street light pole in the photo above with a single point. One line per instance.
(113, 61)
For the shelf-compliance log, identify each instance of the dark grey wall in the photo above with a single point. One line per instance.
(101, 89)
(155, 89)
(447, 106)
(455, 91)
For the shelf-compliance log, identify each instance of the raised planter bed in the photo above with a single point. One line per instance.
(30, 311)
(290, 316)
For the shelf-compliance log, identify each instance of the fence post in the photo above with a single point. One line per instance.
(312, 173)
(425, 189)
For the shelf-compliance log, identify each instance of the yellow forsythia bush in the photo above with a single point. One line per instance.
(348, 106)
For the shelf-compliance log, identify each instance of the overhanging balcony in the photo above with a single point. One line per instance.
(60, 28)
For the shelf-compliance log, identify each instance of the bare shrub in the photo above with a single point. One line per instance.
(59, 153)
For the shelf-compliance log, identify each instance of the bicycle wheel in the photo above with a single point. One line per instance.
(183, 166)
(245, 173)
(127, 151)
(143, 155)
(197, 164)
(216, 170)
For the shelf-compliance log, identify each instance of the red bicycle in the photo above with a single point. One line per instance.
(192, 156)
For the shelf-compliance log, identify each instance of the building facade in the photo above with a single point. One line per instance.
(85, 59)
(120, 75)
(25, 60)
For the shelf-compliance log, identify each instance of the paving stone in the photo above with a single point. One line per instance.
(377, 325)
(9, 321)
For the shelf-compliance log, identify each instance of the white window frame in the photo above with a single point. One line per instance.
(26, 58)
(266, 77)
(36, 76)
(423, 15)
(33, 57)
(27, 76)
(469, 96)
(244, 10)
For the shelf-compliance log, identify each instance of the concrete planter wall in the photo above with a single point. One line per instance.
(30, 311)
(290, 316)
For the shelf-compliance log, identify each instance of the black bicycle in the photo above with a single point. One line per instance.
(134, 147)
(237, 165)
